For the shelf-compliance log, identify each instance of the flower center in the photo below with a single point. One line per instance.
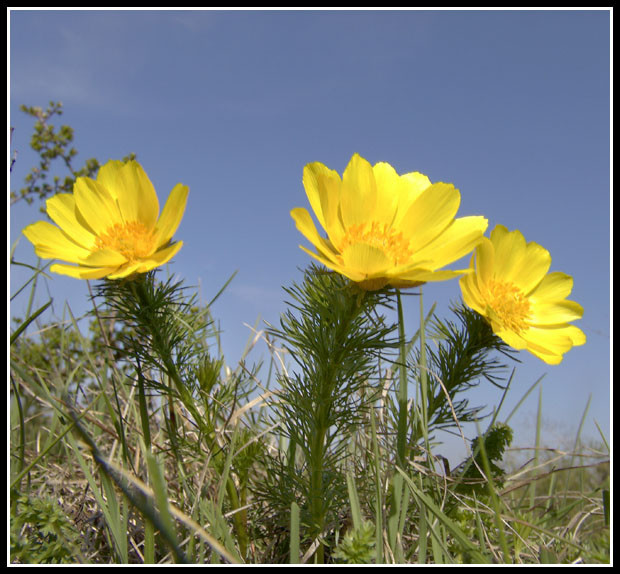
(509, 304)
(380, 236)
(134, 240)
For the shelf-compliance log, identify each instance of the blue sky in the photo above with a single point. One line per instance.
(512, 107)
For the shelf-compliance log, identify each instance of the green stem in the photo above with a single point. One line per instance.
(423, 373)
(316, 494)
(144, 415)
(325, 399)
(378, 492)
(401, 440)
(22, 433)
(149, 530)
(294, 538)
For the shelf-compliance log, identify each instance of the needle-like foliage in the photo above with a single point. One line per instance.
(336, 343)
(460, 354)
(168, 327)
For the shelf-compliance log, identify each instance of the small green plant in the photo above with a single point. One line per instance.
(41, 533)
(357, 546)
(487, 450)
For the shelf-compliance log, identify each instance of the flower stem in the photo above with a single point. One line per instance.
(401, 440)
(423, 373)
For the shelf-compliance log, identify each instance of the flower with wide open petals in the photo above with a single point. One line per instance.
(384, 228)
(109, 227)
(525, 304)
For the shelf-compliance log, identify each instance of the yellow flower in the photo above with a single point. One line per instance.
(111, 226)
(525, 305)
(384, 228)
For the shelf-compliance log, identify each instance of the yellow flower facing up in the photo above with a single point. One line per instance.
(525, 305)
(384, 228)
(110, 227)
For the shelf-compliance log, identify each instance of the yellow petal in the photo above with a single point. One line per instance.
(389, 192)
(104, 258)
(96, 205)
(158, 259)
(412, 185)
(366, 260)
(485, 261)
(471, 293)
(554, 287)
(350, 273)
(108, 175)
(79, 272)
(132, 189)
(171, 215)
(358, 194)
(62, 210)
(510, 337)
(498, 233)
(459, 239)
(554, 313)
(51, 243)
(304, 223)
(532, 269)
(545, 355)
(322, 187)
(430, 214)
(428, 275)
(509, 252)
(548, 344)
(576, 335)
(125, 270)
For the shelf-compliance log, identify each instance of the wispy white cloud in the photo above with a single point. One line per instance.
(82, 57)
(257, 294)
(194, 21)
